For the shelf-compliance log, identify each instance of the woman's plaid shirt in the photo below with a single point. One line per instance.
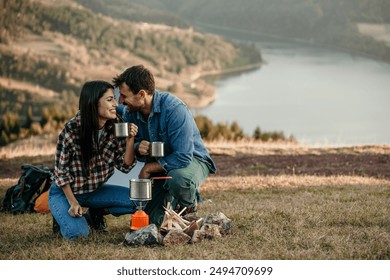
(68, 161)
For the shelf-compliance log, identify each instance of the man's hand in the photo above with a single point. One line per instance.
(144, 173)
(150, 168)
(144, 148)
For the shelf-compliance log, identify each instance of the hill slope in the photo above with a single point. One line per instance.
(332, 23)
(55, 46)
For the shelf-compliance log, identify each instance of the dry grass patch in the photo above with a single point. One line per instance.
(42, 145)
(45, 145)
(288, 181)
(289, 217)
(255, 147)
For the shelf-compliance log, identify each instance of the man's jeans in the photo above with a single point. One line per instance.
(186, 181)
(112, 197)
(181, 189)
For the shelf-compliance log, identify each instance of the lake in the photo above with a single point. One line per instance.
(320, 96)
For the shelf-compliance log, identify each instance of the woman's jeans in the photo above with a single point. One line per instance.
(181, 189)
(111, 197)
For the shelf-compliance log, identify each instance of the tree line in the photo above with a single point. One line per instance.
(52, 119)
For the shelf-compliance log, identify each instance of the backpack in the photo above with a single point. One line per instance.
(34, 181)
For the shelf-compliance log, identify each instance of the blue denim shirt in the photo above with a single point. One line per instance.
(171, 122)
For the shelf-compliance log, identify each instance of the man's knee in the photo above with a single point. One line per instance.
(179, 183)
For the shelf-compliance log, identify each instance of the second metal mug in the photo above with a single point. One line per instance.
(122, 129)
(157, 149)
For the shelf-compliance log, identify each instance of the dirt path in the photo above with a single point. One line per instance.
(368, 165)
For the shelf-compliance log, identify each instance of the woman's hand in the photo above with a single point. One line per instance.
(75, 210)
(133, 130)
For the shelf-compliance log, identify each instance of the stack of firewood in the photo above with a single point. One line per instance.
(173, 220)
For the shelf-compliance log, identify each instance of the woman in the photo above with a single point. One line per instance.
(86, 157)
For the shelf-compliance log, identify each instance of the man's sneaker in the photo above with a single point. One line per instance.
(198, 196)
(188, 210)
(55, 227)
(96, 220)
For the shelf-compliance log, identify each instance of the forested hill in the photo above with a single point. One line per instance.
(356, 25)
(48, 49)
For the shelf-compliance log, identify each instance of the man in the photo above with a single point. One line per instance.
(162, 117)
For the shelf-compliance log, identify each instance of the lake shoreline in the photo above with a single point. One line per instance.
(208, 90)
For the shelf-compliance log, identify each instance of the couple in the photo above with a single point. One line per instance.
(87, 153)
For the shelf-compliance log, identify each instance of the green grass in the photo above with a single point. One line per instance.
(332, 222)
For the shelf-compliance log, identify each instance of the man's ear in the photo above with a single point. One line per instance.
(142, 93)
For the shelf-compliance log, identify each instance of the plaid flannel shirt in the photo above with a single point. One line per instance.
(68, 161)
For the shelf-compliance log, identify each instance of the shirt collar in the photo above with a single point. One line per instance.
(156, 106)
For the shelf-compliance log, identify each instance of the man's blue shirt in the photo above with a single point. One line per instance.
(171, 122)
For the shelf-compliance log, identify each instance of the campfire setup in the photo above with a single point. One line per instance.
(175, 228)
(173, 220)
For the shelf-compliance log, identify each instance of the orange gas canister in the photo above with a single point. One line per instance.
(139, 220)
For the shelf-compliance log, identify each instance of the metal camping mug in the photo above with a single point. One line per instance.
(122, 129)
(157, 149)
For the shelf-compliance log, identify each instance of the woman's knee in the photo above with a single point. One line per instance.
(73, 231)
(71, 228)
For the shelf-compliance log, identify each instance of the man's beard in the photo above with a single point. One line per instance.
(132, 109)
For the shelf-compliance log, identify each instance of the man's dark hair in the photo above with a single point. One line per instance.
(136, 78)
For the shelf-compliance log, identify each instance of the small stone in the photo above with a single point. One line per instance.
(148, 235)
(211, 230)
(198, 236)
(175, 237)
(218, 218)
(191, 217)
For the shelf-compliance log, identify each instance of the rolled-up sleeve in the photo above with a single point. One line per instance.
(181, 138)
(120, 158)
(61, 169)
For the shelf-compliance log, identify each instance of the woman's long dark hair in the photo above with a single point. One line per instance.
(88, 105)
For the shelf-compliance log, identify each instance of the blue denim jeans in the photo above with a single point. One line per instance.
(112, 197)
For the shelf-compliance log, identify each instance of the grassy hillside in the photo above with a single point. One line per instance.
(291, 214)
(48, 49)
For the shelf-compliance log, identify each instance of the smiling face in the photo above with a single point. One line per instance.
(134, 102)
(107, 107)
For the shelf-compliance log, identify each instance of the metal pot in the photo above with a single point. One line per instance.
(140, 189)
